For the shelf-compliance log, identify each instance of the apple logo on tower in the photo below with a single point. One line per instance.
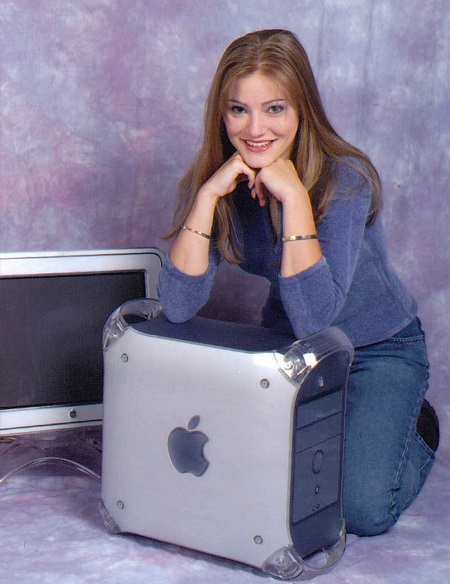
(186, 448)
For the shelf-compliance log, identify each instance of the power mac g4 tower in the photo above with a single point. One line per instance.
(225, 438)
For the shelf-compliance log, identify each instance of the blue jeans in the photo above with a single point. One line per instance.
(386, 461)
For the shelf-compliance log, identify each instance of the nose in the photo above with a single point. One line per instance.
(255, 125)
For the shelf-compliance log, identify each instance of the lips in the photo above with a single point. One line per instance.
(255, 146)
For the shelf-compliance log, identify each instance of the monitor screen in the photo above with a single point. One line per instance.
(51, 323)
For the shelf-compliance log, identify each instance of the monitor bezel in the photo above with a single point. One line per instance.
(25, 419)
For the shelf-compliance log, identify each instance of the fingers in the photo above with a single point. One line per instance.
(230, 174)
(279, 179)
(244, 172)
(260, 192)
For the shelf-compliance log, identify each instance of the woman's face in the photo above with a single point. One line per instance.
(260, 121)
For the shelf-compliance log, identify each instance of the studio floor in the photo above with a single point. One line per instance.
(52, 532)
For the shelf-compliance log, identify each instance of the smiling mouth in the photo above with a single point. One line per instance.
(257, 146)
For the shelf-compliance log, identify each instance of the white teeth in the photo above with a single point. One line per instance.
(258, 144)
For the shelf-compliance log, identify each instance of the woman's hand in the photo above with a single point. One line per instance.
(227, 177)
(279, 179)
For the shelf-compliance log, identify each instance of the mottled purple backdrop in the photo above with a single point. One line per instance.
(101, 111)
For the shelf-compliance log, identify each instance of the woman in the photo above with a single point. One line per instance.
(275, 189)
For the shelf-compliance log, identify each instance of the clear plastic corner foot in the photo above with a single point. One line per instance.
(287, 564)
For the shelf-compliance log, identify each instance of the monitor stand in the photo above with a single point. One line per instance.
(78, 448)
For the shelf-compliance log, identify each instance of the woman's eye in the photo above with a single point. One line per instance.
(237, 109)
(276, 109)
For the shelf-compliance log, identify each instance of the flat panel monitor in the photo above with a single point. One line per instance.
(53, 307)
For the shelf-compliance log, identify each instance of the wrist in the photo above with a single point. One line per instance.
(207, 197)
(201, 215)
(298, 217)
(296, 196)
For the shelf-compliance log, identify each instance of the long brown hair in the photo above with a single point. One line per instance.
(277, 54)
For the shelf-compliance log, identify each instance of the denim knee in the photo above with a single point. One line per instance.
(366, 515)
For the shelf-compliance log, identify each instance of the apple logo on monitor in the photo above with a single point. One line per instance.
(186, 448)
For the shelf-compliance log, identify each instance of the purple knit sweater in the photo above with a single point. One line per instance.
(352, 287)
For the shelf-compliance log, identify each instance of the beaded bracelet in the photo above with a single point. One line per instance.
(298, 237)
(205, 235)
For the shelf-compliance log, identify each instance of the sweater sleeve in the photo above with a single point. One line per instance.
(313, 298)
(182, 295)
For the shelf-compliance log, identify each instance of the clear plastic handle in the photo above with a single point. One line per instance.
(116, 325)
(298, 359)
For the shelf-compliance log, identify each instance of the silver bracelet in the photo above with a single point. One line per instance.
(205, 235)
(298, 237)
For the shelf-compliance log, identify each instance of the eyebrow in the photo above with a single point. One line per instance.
(266, 103)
